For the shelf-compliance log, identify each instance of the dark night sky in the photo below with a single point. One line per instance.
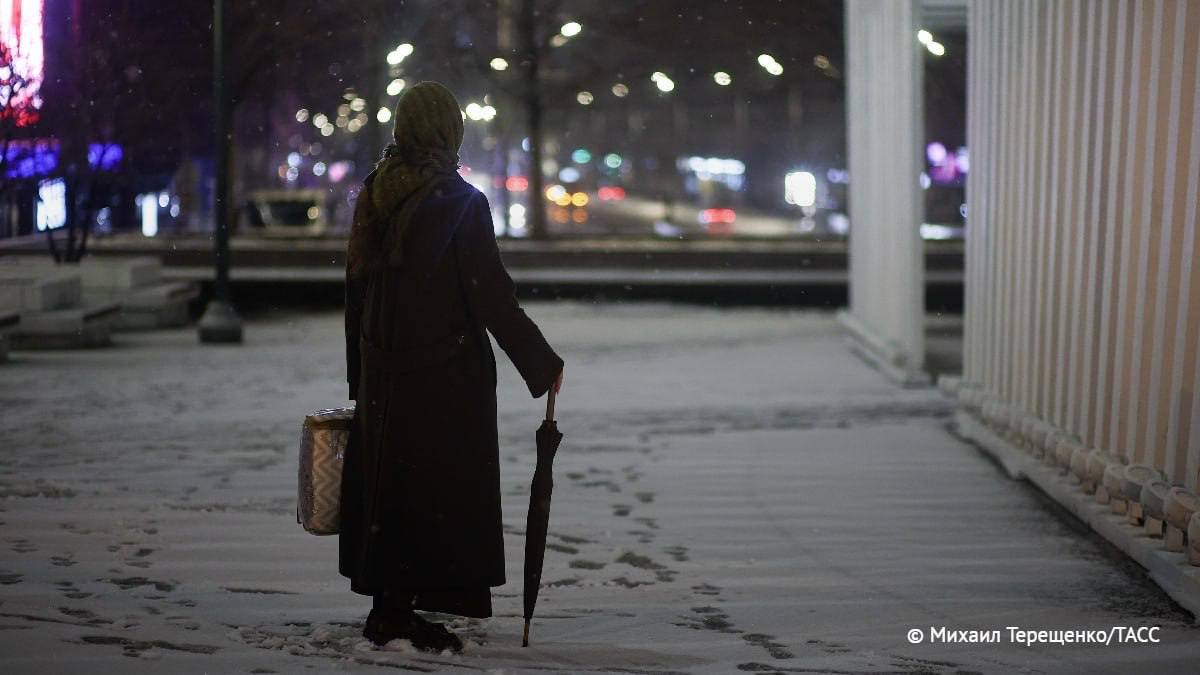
(155, 62)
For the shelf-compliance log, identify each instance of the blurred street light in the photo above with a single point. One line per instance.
(620, 90)
(584, 97)
(499, 64)
(722, 78)
(769, 64)
(384, 115)
(398, 54)
(664, 83)
(479, 113)
(302, 115)
(395, 87)
(570, 29)
(926, 38)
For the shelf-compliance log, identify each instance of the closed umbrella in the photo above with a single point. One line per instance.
(548, 440)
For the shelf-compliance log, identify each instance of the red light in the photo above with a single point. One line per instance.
(726, 216)
(608, 193)
(517, 184)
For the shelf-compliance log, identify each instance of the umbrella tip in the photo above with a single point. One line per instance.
(525, 636)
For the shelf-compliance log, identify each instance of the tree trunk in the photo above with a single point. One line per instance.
(536, 210)
(500, 174)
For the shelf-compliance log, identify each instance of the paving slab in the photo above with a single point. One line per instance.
(736, 492)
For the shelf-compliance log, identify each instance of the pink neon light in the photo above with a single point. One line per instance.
(21, 35)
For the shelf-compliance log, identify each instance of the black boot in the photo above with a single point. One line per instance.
(394, 619)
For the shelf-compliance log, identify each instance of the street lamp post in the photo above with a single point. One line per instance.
(220, 323)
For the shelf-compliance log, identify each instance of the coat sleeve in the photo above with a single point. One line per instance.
(355, 290)
(492, 297)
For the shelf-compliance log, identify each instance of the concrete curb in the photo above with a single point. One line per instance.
(1171, 571)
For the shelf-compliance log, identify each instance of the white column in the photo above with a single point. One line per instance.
(883, 84)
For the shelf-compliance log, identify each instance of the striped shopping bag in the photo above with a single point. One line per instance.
(322, 449)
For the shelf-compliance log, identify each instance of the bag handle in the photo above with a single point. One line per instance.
(550, 404)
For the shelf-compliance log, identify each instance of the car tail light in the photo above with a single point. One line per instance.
(608, 193)
(726, 216)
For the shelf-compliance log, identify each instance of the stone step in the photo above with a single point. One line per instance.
(111, 274)
(73, 328)
(161, 305)
(134, 283)
(27, 289)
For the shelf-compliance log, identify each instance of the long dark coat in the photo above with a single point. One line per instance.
(421, 481)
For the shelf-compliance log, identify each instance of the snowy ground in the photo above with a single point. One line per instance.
(735, 493)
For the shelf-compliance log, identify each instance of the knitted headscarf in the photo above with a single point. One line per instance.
(427, 136)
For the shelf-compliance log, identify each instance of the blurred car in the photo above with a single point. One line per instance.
(611, 193)
(717, 201)
(717, 220)
(287, 213)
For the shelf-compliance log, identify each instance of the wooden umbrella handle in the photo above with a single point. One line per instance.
(550, 405)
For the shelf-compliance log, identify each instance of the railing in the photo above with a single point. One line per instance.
(1082, 296)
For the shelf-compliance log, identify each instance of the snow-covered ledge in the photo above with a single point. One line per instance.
(885, 355)
(9, 318)
(1169, 570)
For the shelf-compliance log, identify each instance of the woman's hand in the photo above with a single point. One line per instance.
(558, 381)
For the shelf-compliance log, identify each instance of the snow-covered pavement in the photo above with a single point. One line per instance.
(735, 493)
